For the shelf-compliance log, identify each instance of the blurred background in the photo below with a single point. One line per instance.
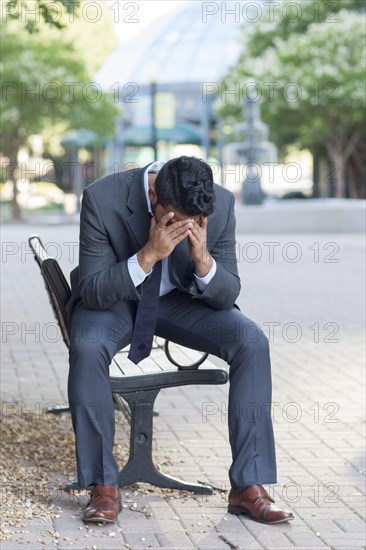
(271, 94)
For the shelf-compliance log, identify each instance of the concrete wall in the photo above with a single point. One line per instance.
(303, 216)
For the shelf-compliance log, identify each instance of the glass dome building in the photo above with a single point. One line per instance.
(172, 70)
(185, 45)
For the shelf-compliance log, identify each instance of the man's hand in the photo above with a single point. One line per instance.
(163, 239)
(197, 242)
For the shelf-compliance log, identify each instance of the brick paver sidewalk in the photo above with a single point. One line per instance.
(306, 293)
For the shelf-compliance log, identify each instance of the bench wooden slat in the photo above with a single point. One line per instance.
(134, 387)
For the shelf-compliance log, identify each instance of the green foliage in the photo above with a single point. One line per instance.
(311, 77)
(45, 85)
(47, 67)
(77, 25)
(35, 11)
(292, 18)
(94, 40)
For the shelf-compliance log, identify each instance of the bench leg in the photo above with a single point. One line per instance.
(58, 409)
(140, 466)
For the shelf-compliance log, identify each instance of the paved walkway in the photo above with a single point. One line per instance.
(313, 311)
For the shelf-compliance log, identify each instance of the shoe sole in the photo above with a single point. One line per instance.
(242, 511)
(99, 520)
(102, 520)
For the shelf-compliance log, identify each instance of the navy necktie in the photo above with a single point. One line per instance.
(146, 316)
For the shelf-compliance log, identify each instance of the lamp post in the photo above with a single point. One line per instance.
(251, 192)
(153, 126)
(77, 176)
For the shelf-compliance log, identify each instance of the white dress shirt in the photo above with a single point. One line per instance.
(138, 275)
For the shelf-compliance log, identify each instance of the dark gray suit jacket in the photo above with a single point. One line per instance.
(115, 224)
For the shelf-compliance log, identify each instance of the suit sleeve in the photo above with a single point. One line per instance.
(103, 280)
(224, 288)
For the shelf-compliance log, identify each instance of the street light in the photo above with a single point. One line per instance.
(251, 192)
(153, 122)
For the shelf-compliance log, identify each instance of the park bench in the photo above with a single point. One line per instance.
(134, 387)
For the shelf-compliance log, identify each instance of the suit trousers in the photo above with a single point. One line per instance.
(96, 336)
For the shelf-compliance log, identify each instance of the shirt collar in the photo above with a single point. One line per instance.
(154, 168)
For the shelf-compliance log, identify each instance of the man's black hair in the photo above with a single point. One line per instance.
(186, 183)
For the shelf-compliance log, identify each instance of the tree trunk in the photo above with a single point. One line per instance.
(12, 170)
(336, 159)
(339, 149)
(11, 144)
(354, 189)
(356, 171)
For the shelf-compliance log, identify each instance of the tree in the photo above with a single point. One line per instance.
(77, 19)
(45, 85)
(292, 18)
(312, 84)
(33, 12)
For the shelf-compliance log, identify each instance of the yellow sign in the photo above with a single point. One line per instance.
(164, 110)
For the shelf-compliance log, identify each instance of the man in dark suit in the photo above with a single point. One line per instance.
(173, 216)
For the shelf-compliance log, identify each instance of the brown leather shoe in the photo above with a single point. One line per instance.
(255, 502)
(104, 505)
